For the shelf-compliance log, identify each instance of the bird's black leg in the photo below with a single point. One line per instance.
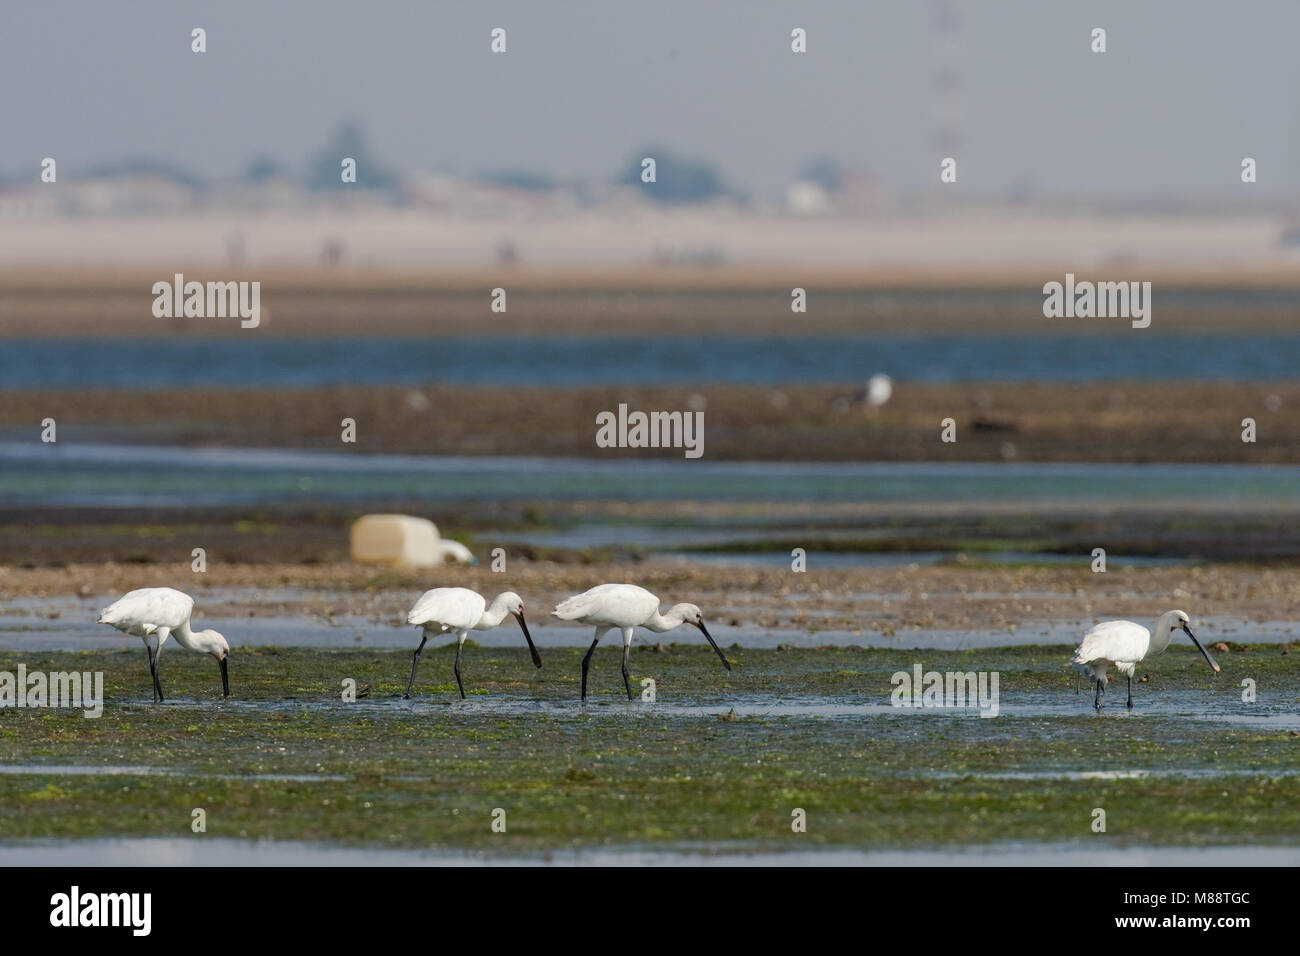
(1096, 701)
(414, 664)
(157, 673)
(627, 682)
(153, 675)
(586, 663)
(456, 668)
(1130, 691)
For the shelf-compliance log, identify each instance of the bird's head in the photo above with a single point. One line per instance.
(512, 602)
(212, 642)
(515, 605)
(689, 613)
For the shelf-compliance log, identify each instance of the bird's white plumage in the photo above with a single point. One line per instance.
(460, 610)
(156, 614)
(1118, 643)
(879, 389)
(453, 552)
(613, 605)
(146, 610)
(449, 609)
(1123, 644)
(627, 607)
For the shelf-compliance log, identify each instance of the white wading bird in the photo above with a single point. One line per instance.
(459, 611)
(453, 552)
(162, 613)
(627, 607)
(879, 389)
(1122, 644)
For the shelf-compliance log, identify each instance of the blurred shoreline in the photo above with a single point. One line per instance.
(940, 236)
(663, 302)
(1131, 422)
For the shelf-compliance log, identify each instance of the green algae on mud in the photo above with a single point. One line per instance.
(615, 773)
(690, 671)
(593, 805)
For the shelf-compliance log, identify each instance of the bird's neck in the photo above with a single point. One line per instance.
(184, 635)
(493, 615)
(661, 622)
(1162, 635)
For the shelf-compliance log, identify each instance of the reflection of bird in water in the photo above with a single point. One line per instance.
(878, 390)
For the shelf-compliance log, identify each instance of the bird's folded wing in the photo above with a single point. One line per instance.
(580, 605)
(455, 607)
(1113, 641)
(159, 607)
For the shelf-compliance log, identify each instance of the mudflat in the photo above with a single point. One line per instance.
(1111, 421)
(873, 601)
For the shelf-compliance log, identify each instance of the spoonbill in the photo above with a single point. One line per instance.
(162, 613)
(870, 397)
(1122, 644)
(453, 552)
(627, 607)
(460, 610)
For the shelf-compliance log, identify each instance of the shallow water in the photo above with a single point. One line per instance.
(83, 473)
(75, 630)
(216, 851)
(1214, 706)
(261, 361)
(1195, 773)
(109, 770)
(899, 559)
(692, 543)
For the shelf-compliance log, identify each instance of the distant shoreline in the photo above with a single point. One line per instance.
(1161, 422)
(668, 302)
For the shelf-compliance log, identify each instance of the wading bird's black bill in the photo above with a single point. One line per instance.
(225, 679)
(1208, 659)
(537, 658)
(714, 644)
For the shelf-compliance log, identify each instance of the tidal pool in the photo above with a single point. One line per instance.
(161, 851)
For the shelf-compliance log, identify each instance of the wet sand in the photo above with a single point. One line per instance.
(739, 300)
(1117, 422)
(872, 602)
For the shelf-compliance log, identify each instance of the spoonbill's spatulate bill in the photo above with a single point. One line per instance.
(155, 614)
(627, 607)
(459, 611)
(1122, 644)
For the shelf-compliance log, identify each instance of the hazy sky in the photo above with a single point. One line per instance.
(1187, 88)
